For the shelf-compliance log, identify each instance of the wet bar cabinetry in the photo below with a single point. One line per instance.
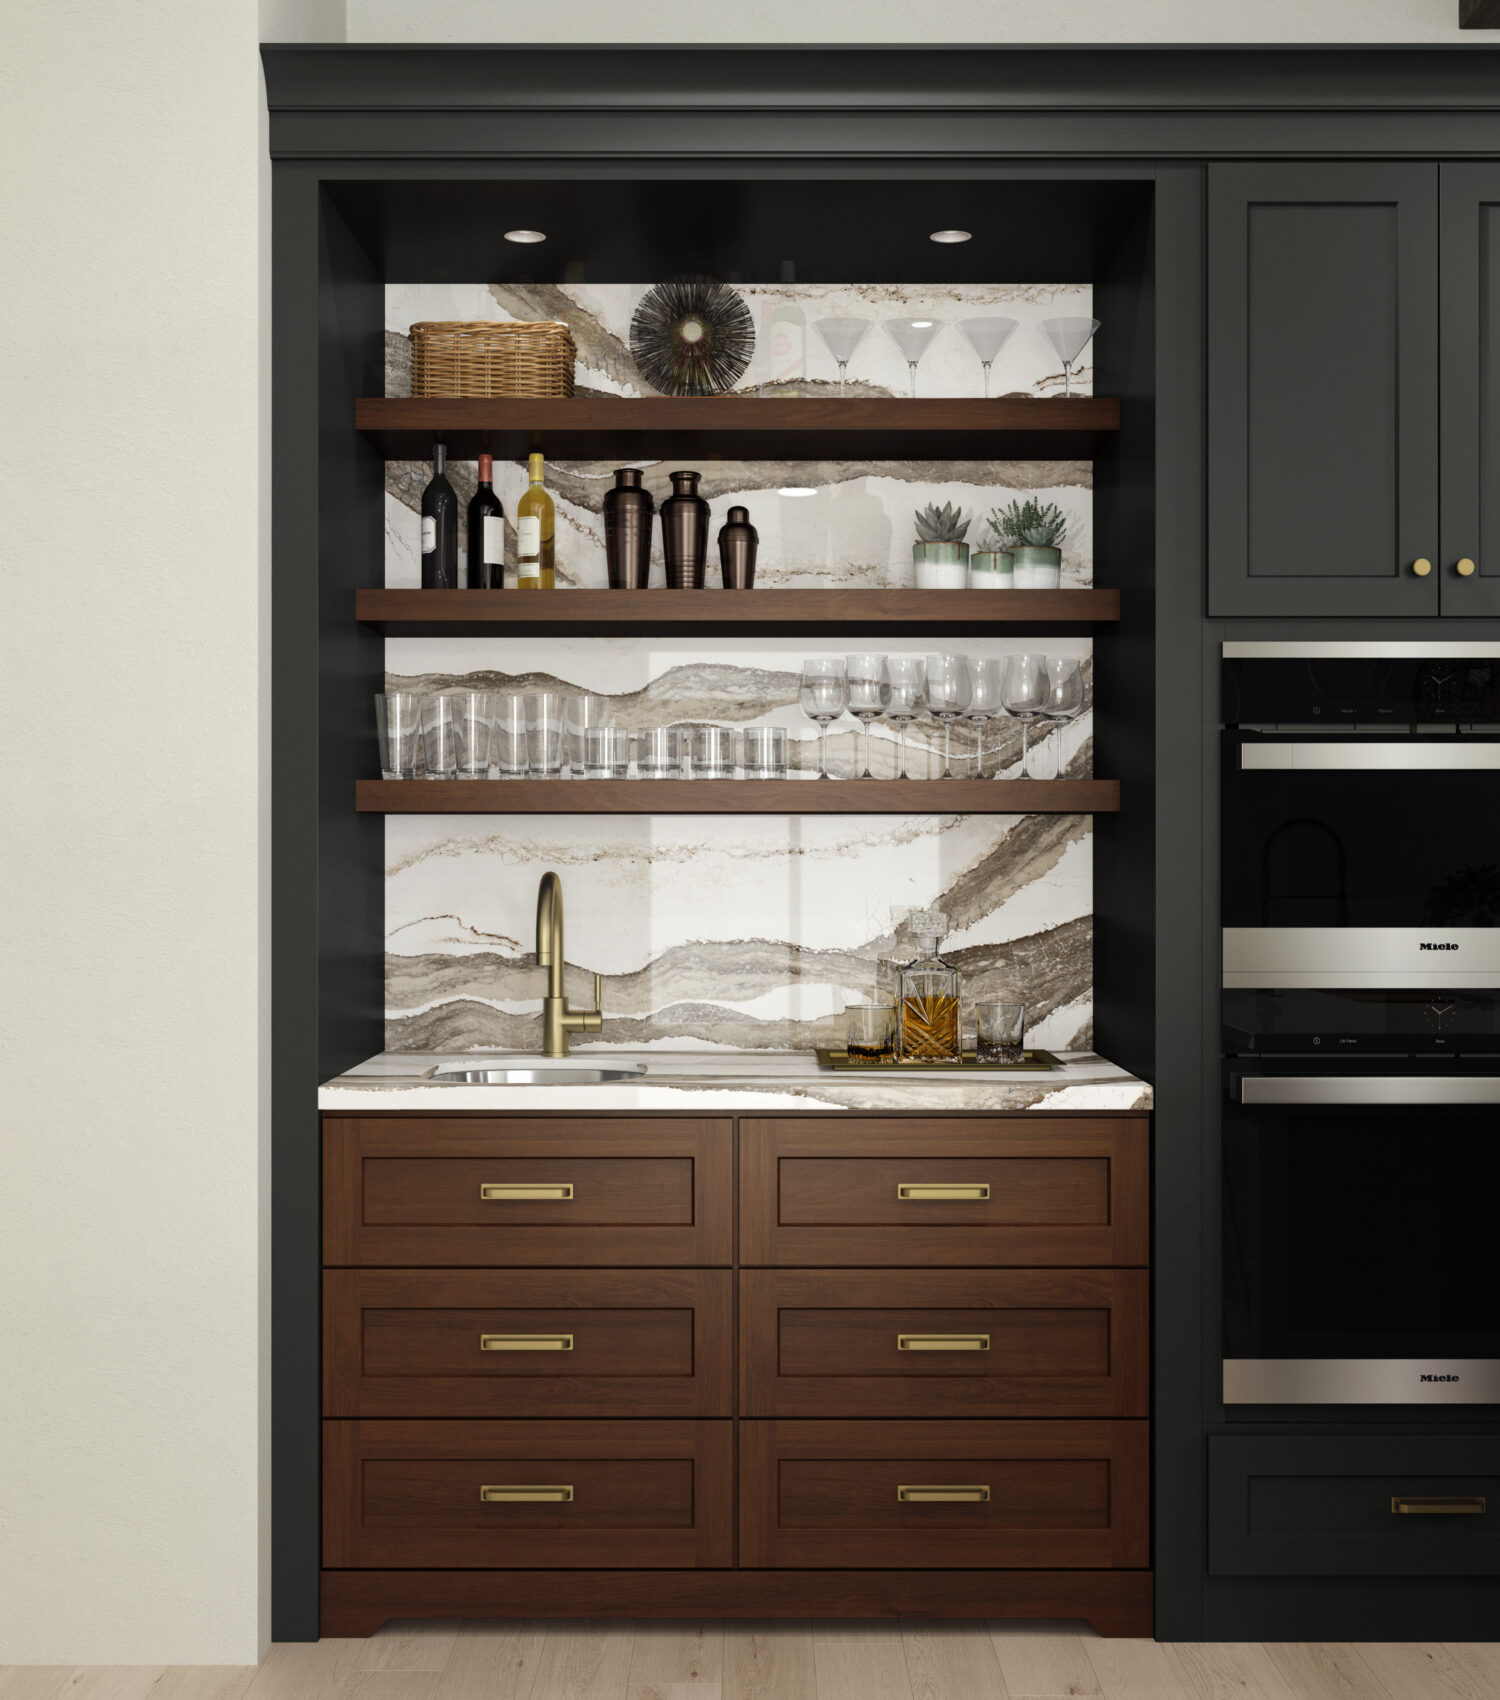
(588, 1365)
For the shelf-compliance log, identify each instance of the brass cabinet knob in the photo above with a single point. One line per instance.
(1465, 568)
(1421, 567)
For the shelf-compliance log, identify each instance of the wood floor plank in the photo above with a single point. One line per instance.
(391, 1685)
(951, 1661)
(1421, 1670)
(493, 1661)
(1139, 1670)
(1233, 1670)
(1481, 1661)
(35, 1682)
(204, 1682)
(585, 1661)
(769, 1661)
(672, 1652)
(415, 1646)
(675, 1691)
(1326, 1670)
(869, 1667)
(1044, 1659)
(306, 1670)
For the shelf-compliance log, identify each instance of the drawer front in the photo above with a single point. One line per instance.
(502, 1191)
(950, 1495)
(1354, 1505)
(513, 1495)
(528, 1343)
(1022, 1190)
(967, 1343)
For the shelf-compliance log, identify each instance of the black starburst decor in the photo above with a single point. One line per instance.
(692, 336)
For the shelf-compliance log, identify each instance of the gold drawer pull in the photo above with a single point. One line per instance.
(943, 1493)
(942, 1342)
(524, 1192)
(937, 1192)
(526, 1493)
(526, 1342)
(1438, 1505)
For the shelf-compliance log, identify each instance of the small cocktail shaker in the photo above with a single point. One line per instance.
(737, 543)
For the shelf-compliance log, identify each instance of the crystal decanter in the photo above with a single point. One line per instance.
(928, 996)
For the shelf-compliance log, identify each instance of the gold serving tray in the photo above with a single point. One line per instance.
(1032, 1062)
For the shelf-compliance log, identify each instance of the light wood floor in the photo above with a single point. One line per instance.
(912, 1660)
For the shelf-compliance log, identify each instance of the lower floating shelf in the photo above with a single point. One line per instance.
(737, 797)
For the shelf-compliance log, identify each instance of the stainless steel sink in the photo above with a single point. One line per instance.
(564, 1072)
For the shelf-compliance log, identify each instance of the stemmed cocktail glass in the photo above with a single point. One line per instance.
(913, 337)
(987, 337)
(824, 694)
(841, 337)
(1069, 337)
(869, 696)
(908, 676)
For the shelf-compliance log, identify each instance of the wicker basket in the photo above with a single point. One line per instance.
(485, 358)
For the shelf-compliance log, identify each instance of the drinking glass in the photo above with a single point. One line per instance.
(1069, 338)
(658, 753)
(908, 696)
(1064, 702)
(948, 691)
(912, 337)
(824, 694)
(841, 337)
(439, 737)
(584, 712)
(1000, 1032)
(398, 729)
(606, 752)
(765, 752)
(869, 696)
(508, 719)
(870, 1032)
(713, 753)
(472, 715)
(984, 702)
(546, 729)
(1023, 690)
(987, 337)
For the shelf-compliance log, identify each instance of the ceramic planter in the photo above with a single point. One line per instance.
(1038, 567)
(991, 569)
(941, 566)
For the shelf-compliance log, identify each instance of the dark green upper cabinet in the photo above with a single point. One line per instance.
(1323, 353)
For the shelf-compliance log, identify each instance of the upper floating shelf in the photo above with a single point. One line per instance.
(742, 427)
(743, 613)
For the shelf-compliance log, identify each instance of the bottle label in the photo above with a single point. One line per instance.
(529, 538)
(493, 545)
(429, 535)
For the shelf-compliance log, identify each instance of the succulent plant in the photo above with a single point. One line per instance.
(941, 525)
(1029, 525)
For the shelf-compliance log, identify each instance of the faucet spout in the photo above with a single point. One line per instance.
(558, 1020)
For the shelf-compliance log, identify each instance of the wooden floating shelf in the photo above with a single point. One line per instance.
(737, 797)
(741, 427)
(715, 612)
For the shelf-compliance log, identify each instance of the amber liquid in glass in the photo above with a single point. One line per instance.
(929, 1029)
(870, 1053)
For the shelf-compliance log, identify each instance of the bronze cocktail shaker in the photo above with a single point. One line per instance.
(628, 511)
(684, 533)
(737, 544)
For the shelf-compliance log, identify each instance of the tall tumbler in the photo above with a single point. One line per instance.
(628, 512)
(684, 533)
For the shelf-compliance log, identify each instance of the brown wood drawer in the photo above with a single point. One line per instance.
(407, 1191)
(644, 1495)
(528, 1343)
(952, 1342)
(1043, 1190)
(1061, 1495)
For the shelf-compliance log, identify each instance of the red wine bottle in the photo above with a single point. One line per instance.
(486, 533)
(439, 527)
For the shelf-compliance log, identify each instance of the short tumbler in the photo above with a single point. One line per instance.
(870, 1032)
(606, 752)
(658, 753)
(398, 727)
(765, 752)
(1000, 1032)
(713, 753)
(546, 726)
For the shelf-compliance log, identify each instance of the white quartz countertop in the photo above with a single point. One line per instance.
(733, 1081)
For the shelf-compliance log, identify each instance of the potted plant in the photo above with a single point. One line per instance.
(992, 566)
(1032, 533)
(940, 554)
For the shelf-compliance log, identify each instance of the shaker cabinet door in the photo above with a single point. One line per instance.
(1323, 390)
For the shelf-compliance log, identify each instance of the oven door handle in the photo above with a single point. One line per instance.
(1413, 758)
(1364, 1089)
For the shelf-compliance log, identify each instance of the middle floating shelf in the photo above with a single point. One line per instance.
(737, 797)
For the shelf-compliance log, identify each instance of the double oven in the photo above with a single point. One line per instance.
(1361, 1023)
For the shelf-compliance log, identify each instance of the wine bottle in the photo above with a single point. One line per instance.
(486, 533)
(788, 339)
(439, 527)
(536, 521)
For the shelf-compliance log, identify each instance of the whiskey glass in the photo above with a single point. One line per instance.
(870, 1032)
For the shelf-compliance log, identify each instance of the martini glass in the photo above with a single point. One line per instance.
(987, 337)
(841, 337)
(912, 337)
(1069, 338)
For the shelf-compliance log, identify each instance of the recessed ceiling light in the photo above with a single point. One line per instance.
(526, 236)
(798, 490)
(951, 236)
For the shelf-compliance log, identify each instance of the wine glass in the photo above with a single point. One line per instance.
(987, 337)
(1069, 338)
(948, 691)
(984, 702)
(1064, 700)
(908, 675)
(841, 337)
(912, 337)
(869, 696)
(824, 693)
(1023, 690)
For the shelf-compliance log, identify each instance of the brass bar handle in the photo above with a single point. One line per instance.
(526, 1342)
(1438, 1505)
(524, 1192)
(942, 1342)
(943, 1493)
(526, 1493)
(939, 1192)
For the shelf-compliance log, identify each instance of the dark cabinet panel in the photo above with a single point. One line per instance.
(1323, 389)
(1471, 390)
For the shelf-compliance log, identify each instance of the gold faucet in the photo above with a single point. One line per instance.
(558, 1021)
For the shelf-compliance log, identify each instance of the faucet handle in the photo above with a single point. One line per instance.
(598, 996)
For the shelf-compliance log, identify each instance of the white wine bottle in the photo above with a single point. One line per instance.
(536, 523)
